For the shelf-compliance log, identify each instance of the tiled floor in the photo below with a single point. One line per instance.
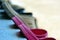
(47, 13)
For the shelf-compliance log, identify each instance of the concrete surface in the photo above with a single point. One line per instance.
(47, 13)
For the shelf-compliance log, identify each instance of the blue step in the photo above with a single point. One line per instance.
(2, 10)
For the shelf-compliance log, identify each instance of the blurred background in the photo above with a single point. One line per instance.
(47, 13)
